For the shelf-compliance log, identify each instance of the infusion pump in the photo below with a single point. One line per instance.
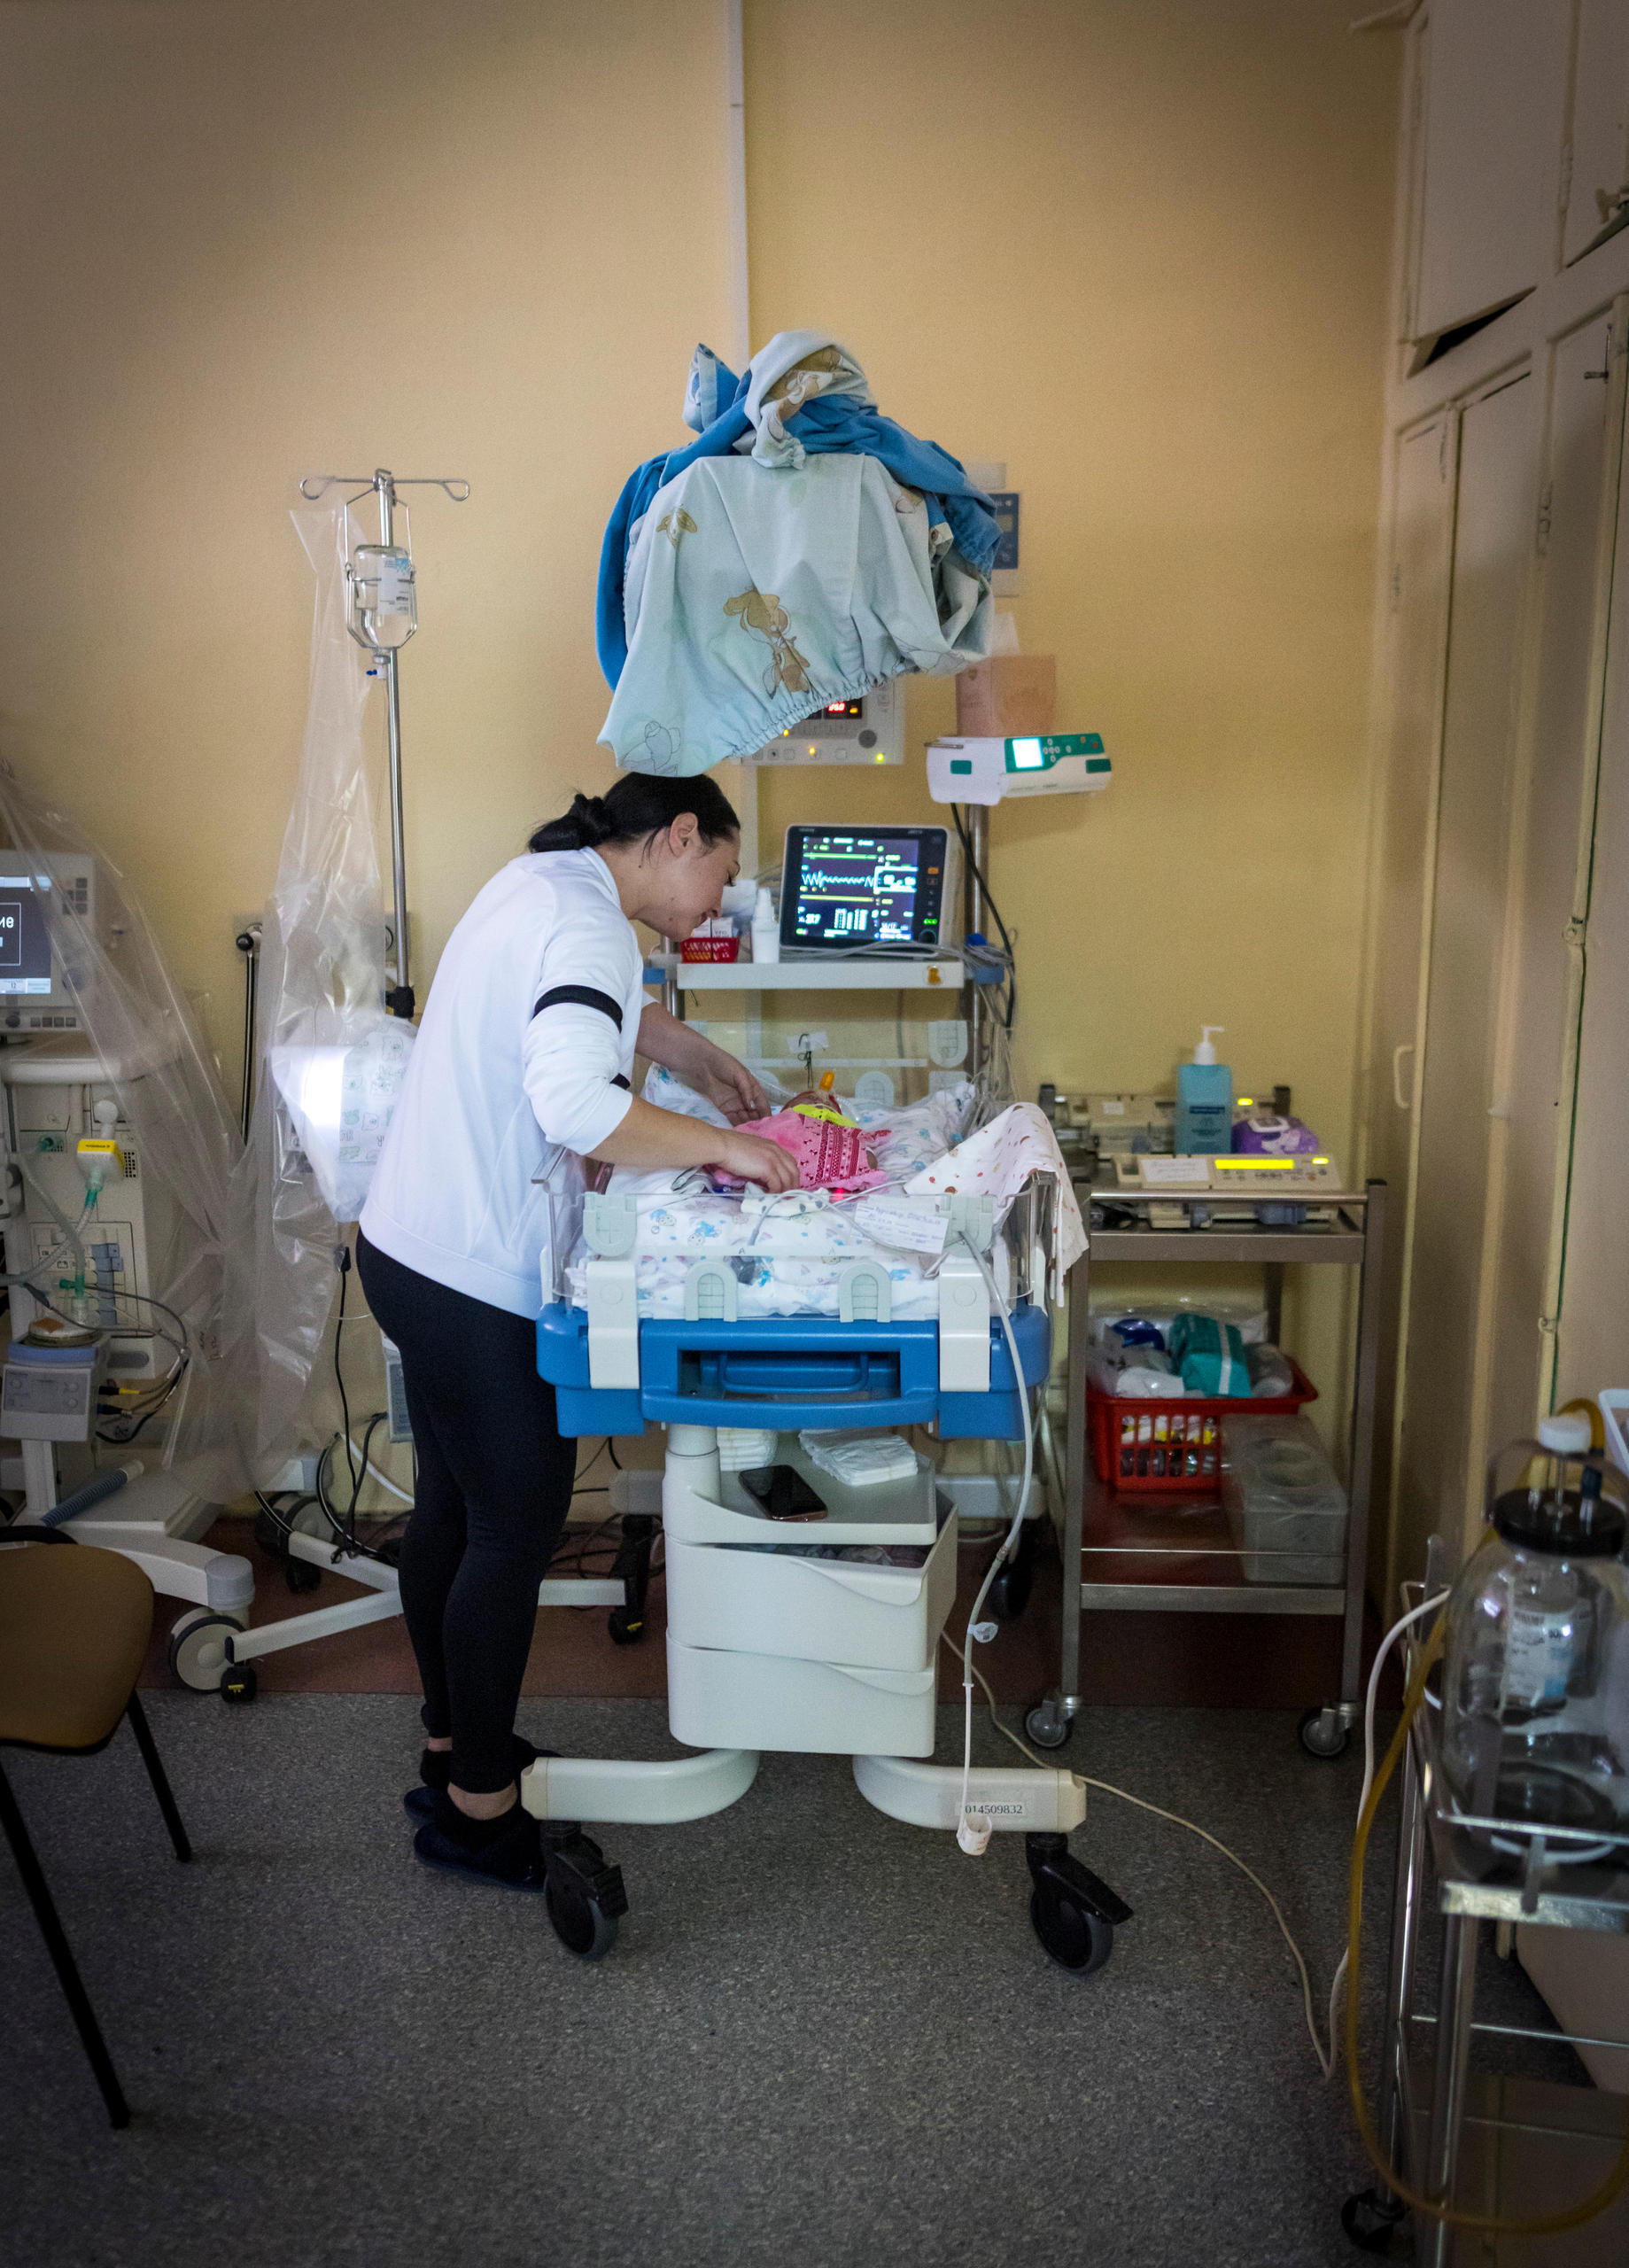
(1238, 1175)
(867, 729)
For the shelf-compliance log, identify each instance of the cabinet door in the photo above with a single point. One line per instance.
(1572, 594)
(1598, 136)
(1592, 1335)
(1494, 521)
(1494, 115)
(1418, 622)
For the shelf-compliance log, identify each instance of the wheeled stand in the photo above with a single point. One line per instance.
(806, 1636)
(1453, 2141)
(212, 1651)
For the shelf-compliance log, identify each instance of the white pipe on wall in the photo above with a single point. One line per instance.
(735, 158)
(740, 354)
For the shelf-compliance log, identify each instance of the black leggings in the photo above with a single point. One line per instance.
(495, 1486)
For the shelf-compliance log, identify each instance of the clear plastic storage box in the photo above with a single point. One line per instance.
(1286, 1508)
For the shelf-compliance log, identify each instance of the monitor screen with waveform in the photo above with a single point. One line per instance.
(848, 889)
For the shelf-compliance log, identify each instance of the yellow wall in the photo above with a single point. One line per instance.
(1136, 248)
(247, 239)
(1139, 250)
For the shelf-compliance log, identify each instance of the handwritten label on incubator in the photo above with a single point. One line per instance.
(911, 1228)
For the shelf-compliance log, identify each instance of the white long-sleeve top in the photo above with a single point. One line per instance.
(521, 1063)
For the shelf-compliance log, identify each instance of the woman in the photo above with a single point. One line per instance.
(523, 1064)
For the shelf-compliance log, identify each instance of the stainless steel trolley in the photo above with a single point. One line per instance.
(1423, 2111)
(1347, 1230)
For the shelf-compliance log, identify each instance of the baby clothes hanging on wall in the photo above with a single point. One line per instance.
(756, 596)
(840, 549)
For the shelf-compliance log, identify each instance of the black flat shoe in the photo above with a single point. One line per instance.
(509, 1858)
(435, 1770)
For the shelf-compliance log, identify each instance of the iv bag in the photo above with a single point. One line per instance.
(384, 594)
(332, 1060)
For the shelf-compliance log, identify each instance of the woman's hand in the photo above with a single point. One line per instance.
(750, 1158)
(691, 1056)
(729, 1086)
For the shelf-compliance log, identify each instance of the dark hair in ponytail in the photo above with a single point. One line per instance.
(639, 806)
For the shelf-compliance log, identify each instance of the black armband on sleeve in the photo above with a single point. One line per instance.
(580, 996)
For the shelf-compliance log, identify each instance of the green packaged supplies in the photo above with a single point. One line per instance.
(1209, 1356)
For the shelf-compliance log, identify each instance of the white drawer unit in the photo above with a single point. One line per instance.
(832, 1611)
(894, 1512)
(761, 1701)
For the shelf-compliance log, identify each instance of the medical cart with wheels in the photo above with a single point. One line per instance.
(1475, 2144)
(1115, 1557)
(768, 1645)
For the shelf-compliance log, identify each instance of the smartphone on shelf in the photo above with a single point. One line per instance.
(783, 1492)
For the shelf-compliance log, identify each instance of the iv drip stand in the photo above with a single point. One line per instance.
(398, 998)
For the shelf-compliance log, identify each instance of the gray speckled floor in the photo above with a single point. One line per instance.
(821, 2034)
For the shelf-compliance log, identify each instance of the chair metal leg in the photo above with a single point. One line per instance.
(62, 1956)
(150, 1757)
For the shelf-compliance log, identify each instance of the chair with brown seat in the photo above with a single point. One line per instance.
(74, 1627)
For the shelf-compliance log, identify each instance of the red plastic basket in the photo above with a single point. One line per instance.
(709, 949)
(1173, 1448)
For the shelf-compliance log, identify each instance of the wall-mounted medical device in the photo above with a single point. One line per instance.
(43, 915)
(992, 770)
(867, 729)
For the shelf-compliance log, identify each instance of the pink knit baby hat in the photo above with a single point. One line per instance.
(829, 1155)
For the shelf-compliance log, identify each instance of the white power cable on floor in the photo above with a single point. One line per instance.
(972, 1831)
(1107, 1788)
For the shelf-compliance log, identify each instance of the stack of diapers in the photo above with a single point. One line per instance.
(862, 1460)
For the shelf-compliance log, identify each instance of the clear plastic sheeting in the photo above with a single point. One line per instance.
(331, 1056)
(137, 1027)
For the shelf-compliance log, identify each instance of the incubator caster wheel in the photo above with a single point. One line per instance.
(1075, 1939)
(1047, 1725)
(301, 1575)
(1325, 1733)
(269, 1535)
(582, 1925)
(1073, 1912)
(239, 1684)
(198, 1648)
(583, 1896)
(1009, 1594)
(626, 1630)
(1368, 2219)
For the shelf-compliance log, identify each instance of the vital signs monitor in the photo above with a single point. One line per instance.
(41, 984)
(862, 890)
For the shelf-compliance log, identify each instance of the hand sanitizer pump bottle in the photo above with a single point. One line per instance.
(765, 929)
(1204, 1101)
